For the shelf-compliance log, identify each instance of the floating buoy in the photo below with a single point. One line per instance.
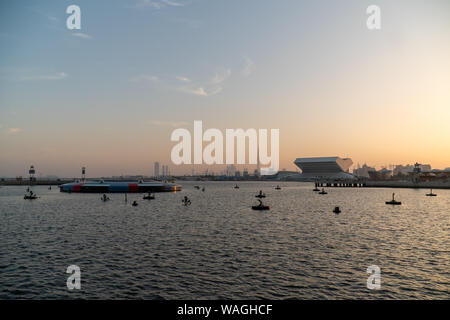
(393, 201)
(260, 195)
(337, 210)
(260, 206)
(134, 204)
(30, 196)
(186, 201)
(149, 196)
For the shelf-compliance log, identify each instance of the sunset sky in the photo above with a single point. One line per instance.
(109, 95)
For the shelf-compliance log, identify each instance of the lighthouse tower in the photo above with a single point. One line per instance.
(31, 172)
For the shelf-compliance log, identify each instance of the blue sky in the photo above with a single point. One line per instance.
(109, 95)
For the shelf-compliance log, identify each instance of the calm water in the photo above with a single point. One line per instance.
(219, 248)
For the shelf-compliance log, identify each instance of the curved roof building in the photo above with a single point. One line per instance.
(334, 168)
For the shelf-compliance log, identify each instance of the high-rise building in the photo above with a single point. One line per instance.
(165, 171)
(156, 169)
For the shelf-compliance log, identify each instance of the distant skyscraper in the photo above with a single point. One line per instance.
(156, 169)
(165, 171)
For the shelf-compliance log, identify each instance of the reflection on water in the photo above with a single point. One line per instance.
(219, 248)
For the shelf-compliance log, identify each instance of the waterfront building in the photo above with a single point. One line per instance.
(363, 171)
(330, 168)
(383, 174)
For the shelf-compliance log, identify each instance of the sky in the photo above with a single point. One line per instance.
(109, 95)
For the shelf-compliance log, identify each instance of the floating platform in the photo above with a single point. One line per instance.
(119, 187)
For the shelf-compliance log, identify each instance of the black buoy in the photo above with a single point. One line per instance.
(315, 187)
(186, 202)
(260, 206)
(323, 191)
(236, 187)
(337, 210)
(30, 196)
(134, 204)
(260, 195)
(393, 201)
(431, 194)
(149, 196)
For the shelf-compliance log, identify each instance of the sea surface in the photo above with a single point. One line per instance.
(218, 248)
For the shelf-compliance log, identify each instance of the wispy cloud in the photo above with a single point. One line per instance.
(144, 78)
(207, 88)
(210, 87)
(57, 76)
(204, 88)
(159, 4)
(220, 76)
(81, 35)
(183, 79)
(248, 66)
(200, 91)
(14, 130)
(173, 3)
(168, 123)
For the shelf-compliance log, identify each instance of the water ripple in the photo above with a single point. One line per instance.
(218, 248)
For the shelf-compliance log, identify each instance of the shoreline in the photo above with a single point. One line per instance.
(366, 184)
